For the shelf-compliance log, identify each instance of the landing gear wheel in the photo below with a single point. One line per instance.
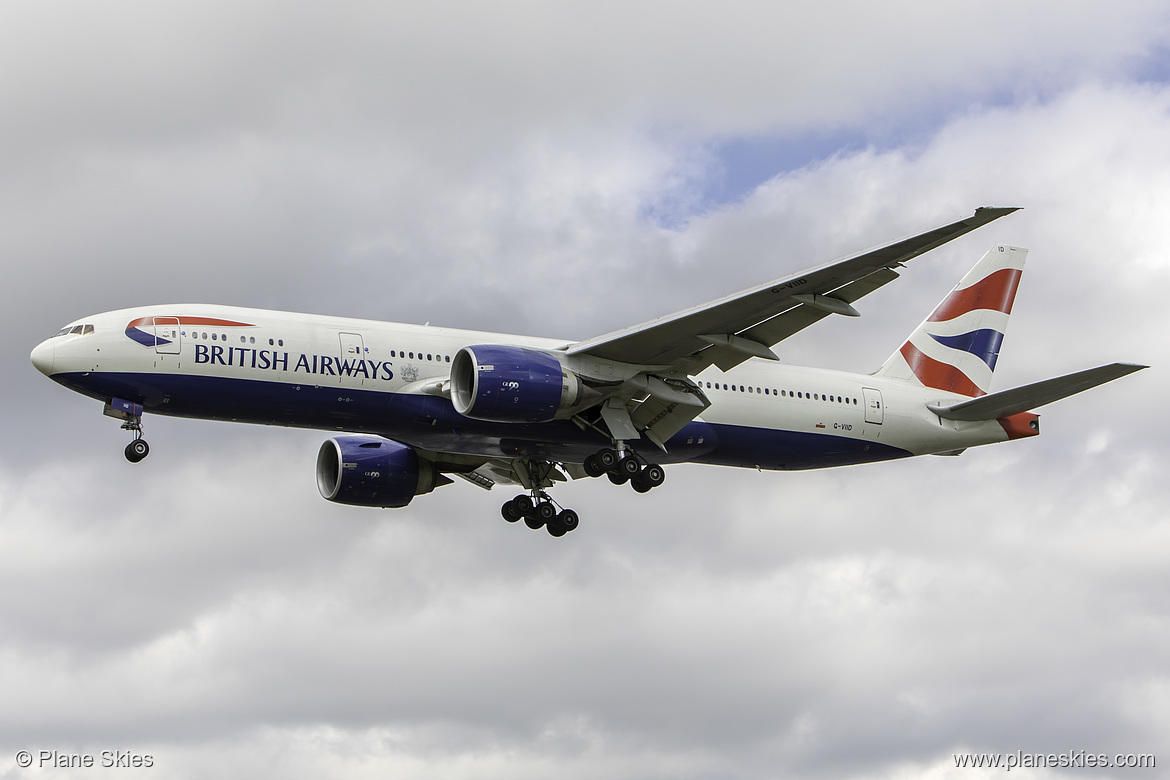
(137, 450)
(533, 521)
(629, 466)
(568, 520)
(563, 523)
(606, 458)
(654, 475)
(592, 467)
(508, 510)
(523, 504)
(617, 477)
(546, 511)
(640, 484)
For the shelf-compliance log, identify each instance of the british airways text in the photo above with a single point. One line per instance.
(279, 361)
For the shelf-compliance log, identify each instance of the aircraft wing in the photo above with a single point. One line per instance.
(730, 330)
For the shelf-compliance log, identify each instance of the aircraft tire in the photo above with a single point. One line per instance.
(592, 467)
(568, 520)
(629, 466)
(137, 450)
(617, 477)
(654, 475)
(508, 510)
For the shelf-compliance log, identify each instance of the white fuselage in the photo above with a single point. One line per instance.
(333, 373)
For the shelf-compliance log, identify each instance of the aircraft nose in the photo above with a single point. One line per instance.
(42, 357)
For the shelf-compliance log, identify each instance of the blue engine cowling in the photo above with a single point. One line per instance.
(501, 383)
(372, 471)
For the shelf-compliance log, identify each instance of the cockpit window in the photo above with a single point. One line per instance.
(77, 330)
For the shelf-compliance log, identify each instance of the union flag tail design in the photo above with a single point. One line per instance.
(956, 348)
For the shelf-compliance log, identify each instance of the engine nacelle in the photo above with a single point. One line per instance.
(501, 383)
(372, 471)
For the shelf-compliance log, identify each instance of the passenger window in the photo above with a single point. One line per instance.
(280, 342)
(213, 337)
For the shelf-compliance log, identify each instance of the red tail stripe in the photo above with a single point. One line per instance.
(940, 376)
(995, 292)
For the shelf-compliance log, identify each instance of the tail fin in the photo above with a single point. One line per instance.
(955, 349)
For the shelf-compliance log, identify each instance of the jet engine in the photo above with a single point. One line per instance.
(372, 471)
(501, 383)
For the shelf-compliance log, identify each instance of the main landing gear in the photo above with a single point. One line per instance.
(625, 466)
(537, 511)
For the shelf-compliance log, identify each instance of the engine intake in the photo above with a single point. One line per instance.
(501, 383)
(372, 471)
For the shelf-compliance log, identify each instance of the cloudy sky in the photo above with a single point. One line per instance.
(565, 169)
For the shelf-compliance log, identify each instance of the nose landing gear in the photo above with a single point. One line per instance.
(130, 414)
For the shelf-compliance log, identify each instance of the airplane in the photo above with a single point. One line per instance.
(415, 406)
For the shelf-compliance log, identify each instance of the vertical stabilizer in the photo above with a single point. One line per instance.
(956, 348)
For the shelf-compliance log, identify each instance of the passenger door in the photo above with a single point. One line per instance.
(873, 405)
(353, 356)
(167, 338)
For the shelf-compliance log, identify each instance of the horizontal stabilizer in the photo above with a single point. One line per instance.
(1022, 399)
